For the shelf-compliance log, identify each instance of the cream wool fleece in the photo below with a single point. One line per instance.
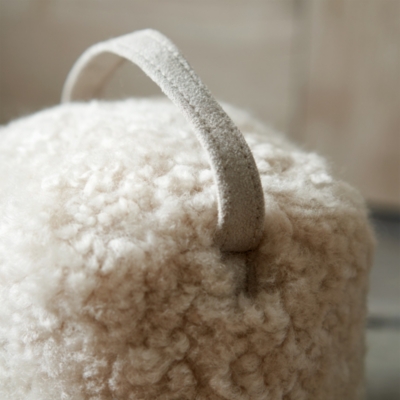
(111, 286)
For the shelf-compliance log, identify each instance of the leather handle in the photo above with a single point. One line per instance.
(240, 195)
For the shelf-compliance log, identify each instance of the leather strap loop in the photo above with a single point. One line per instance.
(240, 195)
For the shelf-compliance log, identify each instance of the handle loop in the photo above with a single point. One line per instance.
(240, 195)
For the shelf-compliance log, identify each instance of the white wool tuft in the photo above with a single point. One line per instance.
(111, 287)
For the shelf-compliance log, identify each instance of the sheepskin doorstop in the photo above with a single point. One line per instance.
(149, 250)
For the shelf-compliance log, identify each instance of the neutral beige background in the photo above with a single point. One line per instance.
(352, 97)
(327, 72)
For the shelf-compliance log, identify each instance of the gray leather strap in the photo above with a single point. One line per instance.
(240, 195)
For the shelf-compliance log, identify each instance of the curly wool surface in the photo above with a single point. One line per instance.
(111, 287)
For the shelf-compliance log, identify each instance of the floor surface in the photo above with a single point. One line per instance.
(383, 328)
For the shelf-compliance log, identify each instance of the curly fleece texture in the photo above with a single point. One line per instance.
(111, 287)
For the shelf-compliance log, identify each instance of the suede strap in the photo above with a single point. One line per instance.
(240, 195)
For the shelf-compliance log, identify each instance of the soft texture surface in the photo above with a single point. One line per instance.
(240, 194)
(111, 287)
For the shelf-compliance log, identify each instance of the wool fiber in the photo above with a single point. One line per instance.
(111, 286)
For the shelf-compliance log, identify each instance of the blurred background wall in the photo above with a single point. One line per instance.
(326, 72)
